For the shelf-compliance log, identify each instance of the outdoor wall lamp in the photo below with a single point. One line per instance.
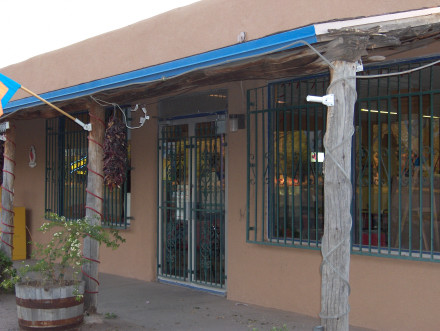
(236, 122)
(328, 100)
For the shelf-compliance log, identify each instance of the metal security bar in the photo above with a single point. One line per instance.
(209, 210)
(192, 204)
(396, 163)
(397, 180)
(66, 174)
(285, 163)
(66, 167)
(174, 202)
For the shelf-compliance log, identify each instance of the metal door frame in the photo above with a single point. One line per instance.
(190, 278)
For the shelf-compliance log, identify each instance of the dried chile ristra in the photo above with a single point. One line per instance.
(115, 153)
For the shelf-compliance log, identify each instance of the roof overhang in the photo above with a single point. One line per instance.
(275, 56)
(162, 72)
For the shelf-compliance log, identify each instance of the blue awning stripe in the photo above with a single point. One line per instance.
(230, 54)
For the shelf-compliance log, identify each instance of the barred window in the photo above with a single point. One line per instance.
(66, 175)
(286, 163)
(395, 163)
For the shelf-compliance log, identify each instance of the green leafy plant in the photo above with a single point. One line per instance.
(5, 263)
(283, 328)
(110, 316)
(7, 273)
(59, 261)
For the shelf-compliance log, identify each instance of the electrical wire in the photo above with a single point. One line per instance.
(327, 61)
(326, 254)
(397, 73)
(298, 42)
(115, 105)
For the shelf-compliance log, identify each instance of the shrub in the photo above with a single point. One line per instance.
(6, 270)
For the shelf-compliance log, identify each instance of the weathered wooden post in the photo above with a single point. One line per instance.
(94, 204)
(7, 215)
(337, 198)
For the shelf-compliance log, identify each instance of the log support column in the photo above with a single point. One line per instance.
(94, 204)
(335, 287)
(7, 207)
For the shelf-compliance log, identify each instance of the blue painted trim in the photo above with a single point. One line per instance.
(230, 54)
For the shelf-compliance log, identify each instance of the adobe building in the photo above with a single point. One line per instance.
(224, 188)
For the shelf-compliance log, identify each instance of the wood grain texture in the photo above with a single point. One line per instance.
(94, 205)
(337, 199)
(51, 307)
(7, 216)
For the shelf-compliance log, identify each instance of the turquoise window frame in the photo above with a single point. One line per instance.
(372, 233)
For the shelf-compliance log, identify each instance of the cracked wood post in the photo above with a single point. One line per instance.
(7, 215)
(337, 198)
(94, 204)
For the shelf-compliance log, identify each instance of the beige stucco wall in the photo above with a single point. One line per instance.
(387, 294)
(391, 294)
(29, 182)
(136, 258)
(198, 28)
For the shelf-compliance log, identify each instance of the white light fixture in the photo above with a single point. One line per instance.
(376, 58)
(328, 100)
(233, 123)
(241, 38)
(236, 122)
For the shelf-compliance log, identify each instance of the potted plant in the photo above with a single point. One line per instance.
(49, 291)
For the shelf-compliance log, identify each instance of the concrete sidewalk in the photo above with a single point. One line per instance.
(128, 304)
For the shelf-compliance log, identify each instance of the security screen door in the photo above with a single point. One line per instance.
(192, 203)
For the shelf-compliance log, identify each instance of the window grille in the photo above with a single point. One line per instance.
(396, 163)
(285, 154)
(66, 174)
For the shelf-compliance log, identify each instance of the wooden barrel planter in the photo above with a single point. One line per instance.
(51, 307)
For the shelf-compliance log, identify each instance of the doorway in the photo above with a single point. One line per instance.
(191, 227)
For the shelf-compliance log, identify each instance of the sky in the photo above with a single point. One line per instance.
(32, 27)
